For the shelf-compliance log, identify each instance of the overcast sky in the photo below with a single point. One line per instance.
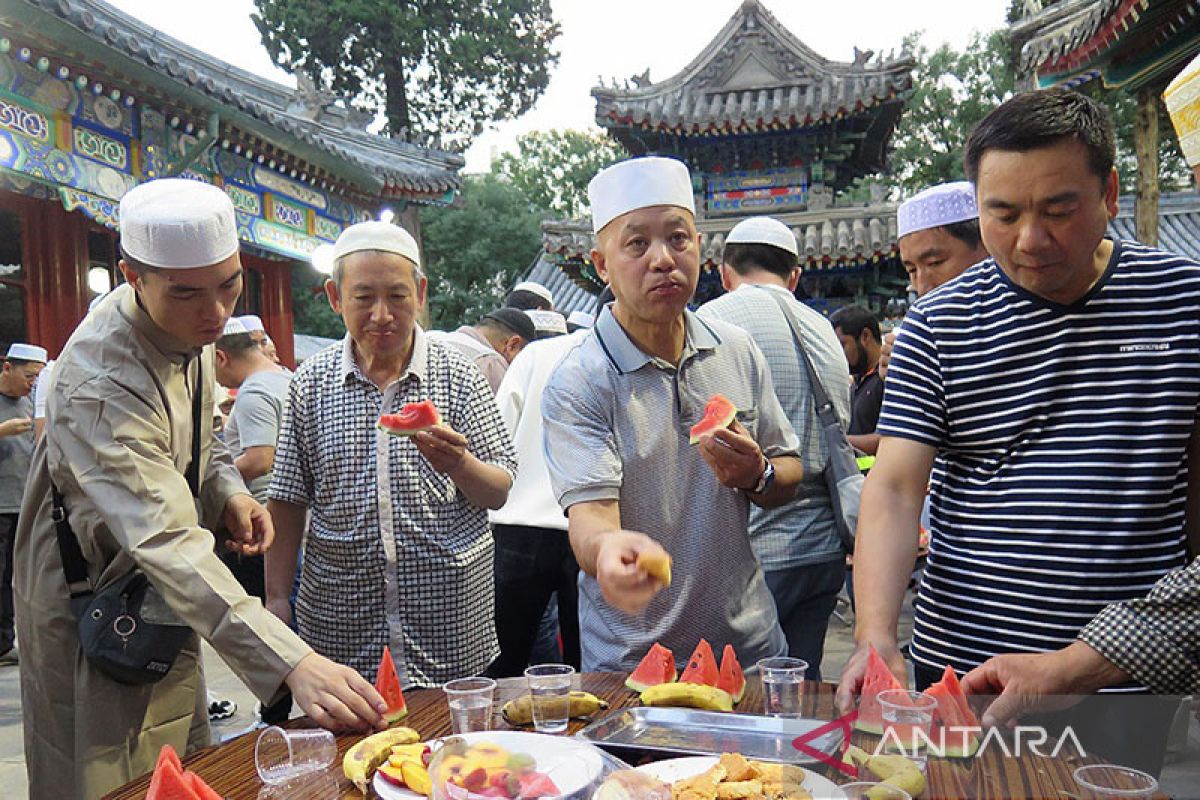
(615, 39)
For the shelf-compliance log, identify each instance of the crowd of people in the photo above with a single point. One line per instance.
(1038, 404)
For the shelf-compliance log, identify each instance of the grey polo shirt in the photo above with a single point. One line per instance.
(16, 453)
(616, 427)
(255, 419)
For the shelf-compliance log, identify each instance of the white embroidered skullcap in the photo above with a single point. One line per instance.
(548, 321)
(27, 352)
(535, 288)
(581, 319)
(764, 230)
(234, 325)
(175, 223)
(251, 323)
(639, 183)
(936, 206)
(1182, 99)
(377, 235)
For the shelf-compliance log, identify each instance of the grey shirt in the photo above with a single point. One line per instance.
(254, 421)
(803, 531)
(616, 428)
(16, 452)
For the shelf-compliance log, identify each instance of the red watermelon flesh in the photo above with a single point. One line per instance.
(657, 666)
(878, 679)
(387, 683)
(412, 419)
(702, 666)
(953, 712)
(167, 753)
(732, 679)
(719, 413)
(168, 782)
(202, 789)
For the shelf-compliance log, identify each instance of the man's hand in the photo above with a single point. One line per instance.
(1039, 682)
(250, 528)
(733, 456)
(15, 426)
(625, 586)
(335, 697)
(885, 354)
(443, 447)
(851, 682)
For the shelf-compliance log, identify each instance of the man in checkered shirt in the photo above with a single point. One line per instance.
(398, 551)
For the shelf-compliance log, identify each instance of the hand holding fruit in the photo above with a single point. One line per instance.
(625, 586)
(250, 528)
(442, 446)
(15, 426)
(734, 457)
(335, 697)
(850, 684)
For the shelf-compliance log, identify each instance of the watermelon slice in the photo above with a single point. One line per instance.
(732, 680)
(202, 789)
(167, 753)
(168, 782)
(953, 712)
(657, 666)
(702, 666)
(387, 683)
(878, 679)
(412, 419)
(719, 413)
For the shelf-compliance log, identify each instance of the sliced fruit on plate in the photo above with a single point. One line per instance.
(702, 666)
(688, 695)
(657, 666)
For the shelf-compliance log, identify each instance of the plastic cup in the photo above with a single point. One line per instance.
(866, 790)
(907, 719)
(550, 695)
(783, 686)
(281, 756)
(470, 702)
(1112, 781)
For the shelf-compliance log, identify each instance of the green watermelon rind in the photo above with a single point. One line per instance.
(635, 685)
(707, 425)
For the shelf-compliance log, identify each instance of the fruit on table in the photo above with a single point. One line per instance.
(657, 666)
(719, 413)
(387, 683)
(893, 770)
(171, 782)
(489, 770)
(412, 419)
(732, 679)
(520, 710)
(364, 758)
(953, 717)
(702, 666)
(657, 566)
(878, 679)
(690, 695)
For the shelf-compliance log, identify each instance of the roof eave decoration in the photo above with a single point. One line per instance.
(380, 167)
(755, 75)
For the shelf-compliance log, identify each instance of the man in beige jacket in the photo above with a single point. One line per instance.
(117, 446)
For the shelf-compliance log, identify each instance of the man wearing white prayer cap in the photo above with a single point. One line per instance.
(548, 323)
(938, 232)
(618, 411)
(258, 333)
(530, 296)
(130, 446)
(579, 319)
(797, 544)
(401, 519)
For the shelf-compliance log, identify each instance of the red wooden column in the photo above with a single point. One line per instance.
(276, 304)
(56, 262)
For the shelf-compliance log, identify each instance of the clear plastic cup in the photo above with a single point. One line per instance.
(907, 720)
(783, 686)
(283, 755)
(867, 790)
(470, 702)
(1112, 781)
(550, 695)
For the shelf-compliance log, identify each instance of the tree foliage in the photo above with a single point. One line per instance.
(474, 253)
(551, 169)
(432, 66)
(310, 309)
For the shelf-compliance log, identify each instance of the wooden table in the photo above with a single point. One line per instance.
(229, 768)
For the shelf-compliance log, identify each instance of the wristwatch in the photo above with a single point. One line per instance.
(766, 479)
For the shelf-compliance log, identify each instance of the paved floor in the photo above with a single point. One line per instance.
(1181, 779)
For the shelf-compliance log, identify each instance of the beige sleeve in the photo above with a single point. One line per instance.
(114, 456)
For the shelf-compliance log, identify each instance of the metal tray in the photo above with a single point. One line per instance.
(683, 730)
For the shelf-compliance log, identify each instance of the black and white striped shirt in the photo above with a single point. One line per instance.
(1059, 483)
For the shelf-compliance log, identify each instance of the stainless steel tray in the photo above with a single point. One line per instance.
(683, 730)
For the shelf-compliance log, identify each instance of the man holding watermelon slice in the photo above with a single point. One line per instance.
(617, 413)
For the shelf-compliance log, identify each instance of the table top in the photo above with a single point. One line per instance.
(229, 768)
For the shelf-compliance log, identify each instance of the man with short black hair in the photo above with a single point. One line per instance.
(858, 331)
(530, 296)
(492, 343)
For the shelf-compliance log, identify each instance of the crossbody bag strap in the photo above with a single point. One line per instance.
(192, 473)
(825, 410)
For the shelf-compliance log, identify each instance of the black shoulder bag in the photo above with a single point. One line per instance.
(842, 475)
(126, 629)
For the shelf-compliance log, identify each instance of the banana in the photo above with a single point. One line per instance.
(520, 711)
(364, 758)
(691, 695)
(894, 770)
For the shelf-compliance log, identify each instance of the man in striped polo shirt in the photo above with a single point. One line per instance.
(1052, 393)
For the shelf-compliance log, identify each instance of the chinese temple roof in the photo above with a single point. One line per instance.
(309, 124)
(756, 76)
(1129, 43)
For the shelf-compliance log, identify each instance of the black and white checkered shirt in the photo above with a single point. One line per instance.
(394, 553)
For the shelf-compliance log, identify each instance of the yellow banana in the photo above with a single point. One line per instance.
(691, 695)
(520, 711)
(364, 758)
(894, 770)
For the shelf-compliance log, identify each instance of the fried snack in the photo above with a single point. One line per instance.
(737, 790)
(699, 787)
(769, 772)
(656, 566)
(737, 768)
